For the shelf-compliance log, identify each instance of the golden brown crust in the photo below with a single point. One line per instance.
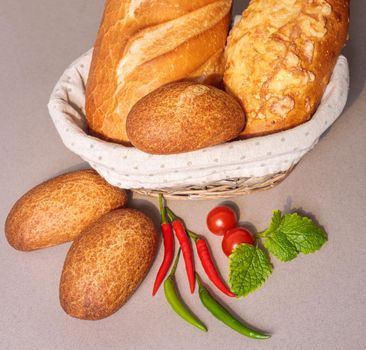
(182, 117)
(144, 44)
(279, 59)
(59, 209)
(107, 263)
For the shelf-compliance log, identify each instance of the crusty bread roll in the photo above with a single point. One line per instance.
(107, 263)
(144, 44)
(58, 210)
(279, 59)
(182, 117)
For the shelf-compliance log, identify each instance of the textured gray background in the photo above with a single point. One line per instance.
(315, 302)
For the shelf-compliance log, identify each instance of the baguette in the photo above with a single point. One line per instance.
(280, 57)
(144, 44)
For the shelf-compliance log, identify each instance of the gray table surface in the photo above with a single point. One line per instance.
(315, 302)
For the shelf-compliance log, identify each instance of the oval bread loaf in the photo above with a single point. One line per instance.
(106, 264)
(279, 59)
(144, 44)
(59, 209)
(184, 116)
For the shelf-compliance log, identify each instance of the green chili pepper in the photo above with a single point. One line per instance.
(224, 315)
(176, 303)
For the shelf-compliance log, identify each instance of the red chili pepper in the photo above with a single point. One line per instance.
(208, 264)
(185, 245)
(168, 239)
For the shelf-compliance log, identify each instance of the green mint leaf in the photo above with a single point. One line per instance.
(249, 268)
(291, 234)
(303, 233)
(276, 221)
(281, 247)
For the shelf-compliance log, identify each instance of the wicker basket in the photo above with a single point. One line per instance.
(232, 169)
(221, 189)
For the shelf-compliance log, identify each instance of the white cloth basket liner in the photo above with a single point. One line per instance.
(129, 168)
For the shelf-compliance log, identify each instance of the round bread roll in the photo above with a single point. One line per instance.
(182, 117)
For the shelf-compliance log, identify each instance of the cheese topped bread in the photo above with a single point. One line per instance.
(280, 57)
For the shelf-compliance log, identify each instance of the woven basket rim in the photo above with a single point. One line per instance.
(224, 189)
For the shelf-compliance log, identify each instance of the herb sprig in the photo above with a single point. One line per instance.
(286, 237)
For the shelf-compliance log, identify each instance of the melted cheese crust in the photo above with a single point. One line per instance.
(279, 59)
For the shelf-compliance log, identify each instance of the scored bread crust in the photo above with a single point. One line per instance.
(280, 57)
(144, 44)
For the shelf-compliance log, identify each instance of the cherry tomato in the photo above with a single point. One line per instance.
(221, 219)
(234, 237)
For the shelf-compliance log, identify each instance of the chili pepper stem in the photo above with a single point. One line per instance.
(175, 264)
(193, 235)
(163, 217)
(171, 215)
(199, 281)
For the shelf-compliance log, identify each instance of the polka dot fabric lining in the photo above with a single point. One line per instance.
(130, 168)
